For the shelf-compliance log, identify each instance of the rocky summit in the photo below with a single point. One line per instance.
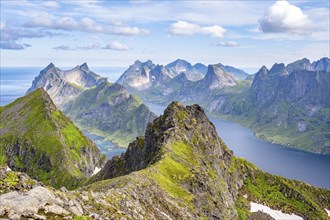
(64, 86)
(38, 139)
(180, 169)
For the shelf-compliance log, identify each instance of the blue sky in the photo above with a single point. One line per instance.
(244, 34)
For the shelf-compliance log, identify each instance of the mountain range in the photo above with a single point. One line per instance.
(180, 169)
(286, 104)
(94, 104)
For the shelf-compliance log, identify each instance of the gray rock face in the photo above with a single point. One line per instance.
(217, 78)
(238, 74)
(137, 76)
(294, 98)
(64, 86)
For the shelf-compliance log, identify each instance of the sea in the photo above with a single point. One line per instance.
(273, 158)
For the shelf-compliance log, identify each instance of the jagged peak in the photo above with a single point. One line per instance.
(84, 67)
(177, 62)
(214, 69)
(278, 69)
(262, 71)
(199, 65)
(48, 67)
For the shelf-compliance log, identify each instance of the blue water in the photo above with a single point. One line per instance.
(272, 158)
(15, 81)
(106, 147)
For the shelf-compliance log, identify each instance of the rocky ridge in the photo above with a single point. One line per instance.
(180, 169)
(64, 86)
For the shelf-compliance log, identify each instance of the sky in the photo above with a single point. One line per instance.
(244, 34)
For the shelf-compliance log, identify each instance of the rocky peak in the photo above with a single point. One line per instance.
(178, 124)
(217, 78)
(84, 67)
(51, 65)
(278, 69)
(200, 68)
(303, 64)
(178, 66)
(322, 64)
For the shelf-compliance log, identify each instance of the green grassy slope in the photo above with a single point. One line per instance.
(38, 139)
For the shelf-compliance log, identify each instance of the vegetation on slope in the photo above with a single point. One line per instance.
(38, 139)
(109, 111)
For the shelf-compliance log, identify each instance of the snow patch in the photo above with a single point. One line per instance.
(96, 170)
(328, 212)
(274, 213)
(8, 168)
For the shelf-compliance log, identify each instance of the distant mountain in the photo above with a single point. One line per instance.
(217, 78)
(178, 80)
(94, 104)
(64, 86)
(38, 139)
(238, 74)
(111, 111)
(193, 73)
(178, 66)
(305, 64)
(286, 104)
(137, 75)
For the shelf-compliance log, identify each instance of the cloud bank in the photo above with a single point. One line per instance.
(185, 28)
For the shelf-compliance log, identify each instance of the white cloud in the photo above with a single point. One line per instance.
(185, 28)
(90, 25)
(40, 21)
(66, 23)
(284, 17)
(116, 45)
(50, 4)
(126, 30)
(228, 44)
(2, 25)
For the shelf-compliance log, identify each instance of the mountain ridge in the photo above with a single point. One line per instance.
(29, 126)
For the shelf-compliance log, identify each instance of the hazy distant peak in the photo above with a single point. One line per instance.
(84, 67)
(51, 65)
(179, 62)
(278, 68)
